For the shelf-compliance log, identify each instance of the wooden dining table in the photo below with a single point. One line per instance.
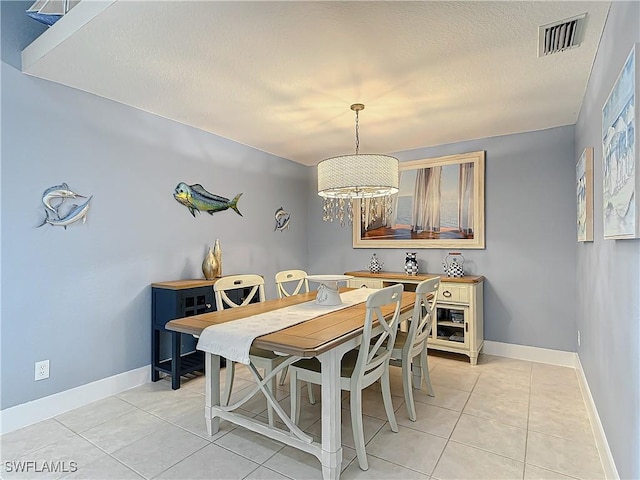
(327, 337)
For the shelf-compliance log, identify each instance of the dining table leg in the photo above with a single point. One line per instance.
(212, 391)
(331, 411)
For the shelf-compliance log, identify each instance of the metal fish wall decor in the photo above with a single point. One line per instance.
(282, 220)
(196, 198)
(54, 198)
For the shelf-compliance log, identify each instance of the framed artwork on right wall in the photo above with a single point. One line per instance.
(584, 191)
(621, 182)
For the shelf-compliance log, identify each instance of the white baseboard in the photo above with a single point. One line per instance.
(533, 354)
(609, 466)
(35, 411)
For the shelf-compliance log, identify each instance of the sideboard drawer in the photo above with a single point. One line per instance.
(453, 293)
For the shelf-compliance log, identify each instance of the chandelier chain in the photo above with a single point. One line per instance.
(357, 133)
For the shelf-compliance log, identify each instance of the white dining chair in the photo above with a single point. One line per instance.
(260, 358)
(413, 343)
(360, 367)
(286, 288)
(285, 285)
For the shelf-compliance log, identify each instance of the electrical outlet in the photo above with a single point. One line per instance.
(42, 370)
(578, 337)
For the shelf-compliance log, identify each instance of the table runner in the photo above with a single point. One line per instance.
(233, 340)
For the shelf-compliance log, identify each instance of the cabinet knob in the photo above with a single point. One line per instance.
(208, 305)
(446, 294)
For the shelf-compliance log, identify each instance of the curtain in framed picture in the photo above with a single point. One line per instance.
(465, 198)
(392, 219)
(426, 203)
(365, 213)
(374, 215)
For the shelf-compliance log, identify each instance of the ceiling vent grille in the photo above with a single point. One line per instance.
(560, 36)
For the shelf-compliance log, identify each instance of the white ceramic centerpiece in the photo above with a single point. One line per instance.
(328, 293)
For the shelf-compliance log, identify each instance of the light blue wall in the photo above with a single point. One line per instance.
(529, 260)
(81, 297)
(608, 271)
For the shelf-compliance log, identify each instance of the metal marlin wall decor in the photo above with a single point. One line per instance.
(54, 197)
(57, 192)
(282, 220)
(196, 198)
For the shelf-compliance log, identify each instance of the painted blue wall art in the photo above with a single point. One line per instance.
(620, 153)
(584, 195)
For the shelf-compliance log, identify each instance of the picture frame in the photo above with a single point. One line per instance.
(449, 215)
(584, 195)
(621, 182)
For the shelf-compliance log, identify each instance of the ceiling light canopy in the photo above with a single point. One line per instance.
(343, 178)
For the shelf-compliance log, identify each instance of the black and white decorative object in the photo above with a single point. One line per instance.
(411, 264)
(453, 264)
(375, 265)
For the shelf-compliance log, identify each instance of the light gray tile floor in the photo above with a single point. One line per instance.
(503, 418)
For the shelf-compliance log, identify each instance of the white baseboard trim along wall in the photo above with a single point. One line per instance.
(565, 359)
(609, 466)
(41, 409)
(533, 354)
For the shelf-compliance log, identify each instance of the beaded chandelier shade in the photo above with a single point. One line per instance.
(343, 178)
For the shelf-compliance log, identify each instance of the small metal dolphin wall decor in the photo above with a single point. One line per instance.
(282, 220)
(196, 198)
(54, 197)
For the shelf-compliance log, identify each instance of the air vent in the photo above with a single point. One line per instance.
(560, 36)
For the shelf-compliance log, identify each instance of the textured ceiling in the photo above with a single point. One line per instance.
(280, 76)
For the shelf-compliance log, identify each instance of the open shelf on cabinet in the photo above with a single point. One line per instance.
(451, 324)
(189, 362)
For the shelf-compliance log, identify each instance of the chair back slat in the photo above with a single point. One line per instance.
(289, 276)
(423, 312)
(374, 355)
(232, 282)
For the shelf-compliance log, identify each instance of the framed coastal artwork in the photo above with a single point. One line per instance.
(584, 192)
(621, 182)
(440, 205)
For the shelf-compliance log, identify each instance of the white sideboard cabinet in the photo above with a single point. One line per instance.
(458, 323)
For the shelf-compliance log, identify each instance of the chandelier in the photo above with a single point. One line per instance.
(366, 176)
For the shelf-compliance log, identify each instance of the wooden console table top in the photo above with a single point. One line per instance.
(182, 284)
(417, 278)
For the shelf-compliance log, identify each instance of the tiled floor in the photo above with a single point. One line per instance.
(501, 419)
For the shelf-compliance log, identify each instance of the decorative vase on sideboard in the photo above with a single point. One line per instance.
(210, 265)
(375, 265)
(411, 264)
